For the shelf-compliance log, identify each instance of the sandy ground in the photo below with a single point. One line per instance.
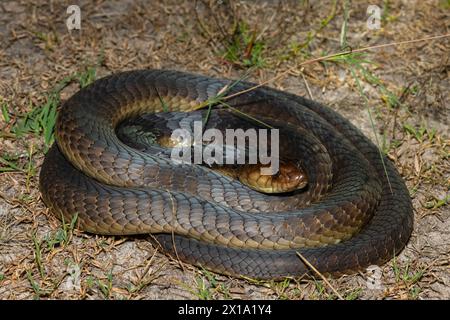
(39, 258)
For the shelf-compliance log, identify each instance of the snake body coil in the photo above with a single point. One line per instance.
(355, 212)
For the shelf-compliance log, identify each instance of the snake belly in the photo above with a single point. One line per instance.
(355, 212)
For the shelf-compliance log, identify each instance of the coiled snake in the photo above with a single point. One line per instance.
(355, 211)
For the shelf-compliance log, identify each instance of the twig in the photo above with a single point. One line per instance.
(307, 86)
(174, 212)
(305, 261)
(332, 56)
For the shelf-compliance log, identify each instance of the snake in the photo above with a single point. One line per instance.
(355, 210)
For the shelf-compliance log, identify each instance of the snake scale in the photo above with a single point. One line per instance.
(355, 212)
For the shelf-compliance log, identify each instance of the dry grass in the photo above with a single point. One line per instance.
(41, 258)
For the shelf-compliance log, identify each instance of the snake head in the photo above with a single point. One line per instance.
(290, 177)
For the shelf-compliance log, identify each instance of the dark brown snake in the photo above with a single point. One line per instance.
(354, 213)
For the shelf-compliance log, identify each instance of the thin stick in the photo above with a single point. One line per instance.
(332, 56)
(320, 275)
(173, 231)
(307, 86)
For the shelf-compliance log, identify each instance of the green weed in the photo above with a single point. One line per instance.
(409, 277)
(10, 163)
(41, 120)
(353, 294)
(437, 203)
(421, 133)
(106, 287)
(63, 235)
(203, 290)
(244, 49)
(5, 112)
(38, 255)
